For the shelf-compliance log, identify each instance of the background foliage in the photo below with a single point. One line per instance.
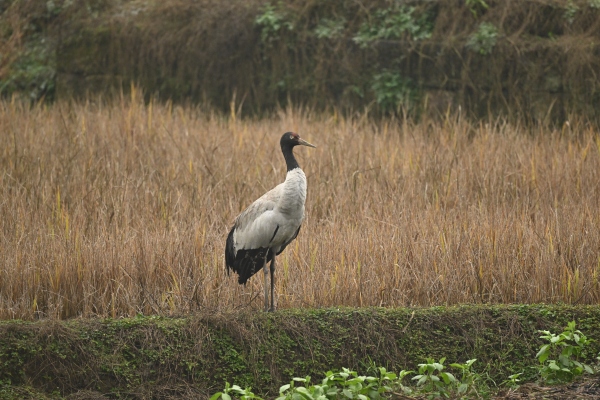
(535, 60)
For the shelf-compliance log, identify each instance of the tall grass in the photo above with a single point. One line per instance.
(117, 208)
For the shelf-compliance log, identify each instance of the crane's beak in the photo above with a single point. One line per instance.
(305, 143)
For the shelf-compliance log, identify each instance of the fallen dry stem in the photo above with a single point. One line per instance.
(118, 208)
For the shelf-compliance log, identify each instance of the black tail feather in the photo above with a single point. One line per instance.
(246, 262)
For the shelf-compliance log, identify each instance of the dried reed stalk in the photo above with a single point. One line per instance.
(117, 208)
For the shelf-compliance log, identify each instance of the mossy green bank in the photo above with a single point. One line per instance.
(193, 356)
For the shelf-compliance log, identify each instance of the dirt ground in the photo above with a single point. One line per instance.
(583, 389)
(588, 388)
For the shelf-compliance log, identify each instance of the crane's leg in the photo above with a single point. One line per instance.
(273, 284)
(266, 275)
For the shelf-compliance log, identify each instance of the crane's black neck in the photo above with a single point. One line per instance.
(288, 154)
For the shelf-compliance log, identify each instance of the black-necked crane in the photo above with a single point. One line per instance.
(267, 226)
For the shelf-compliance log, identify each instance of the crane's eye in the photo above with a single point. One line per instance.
(291, 137)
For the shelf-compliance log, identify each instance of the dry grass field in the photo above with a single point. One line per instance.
(117, 208)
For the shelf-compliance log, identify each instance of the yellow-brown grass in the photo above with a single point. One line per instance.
(118, 208)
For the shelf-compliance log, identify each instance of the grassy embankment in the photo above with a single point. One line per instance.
(192, 357)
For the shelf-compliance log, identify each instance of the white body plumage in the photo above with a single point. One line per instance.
(273, 220)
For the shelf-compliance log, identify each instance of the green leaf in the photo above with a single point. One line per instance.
(216, 396)
(403, 373)
(543, 354)
(225, 396)
(448, 377)
(284, 388)
(421, 379)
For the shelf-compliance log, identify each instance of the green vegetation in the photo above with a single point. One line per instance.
(433, 379)
(346, 384)
(476, 6)
(271, 23)
(320, 54)
(569, 347)
(32, 74)
(571, 11)
(393, 91)
(484, 39)
(330, 28)
(394, 23)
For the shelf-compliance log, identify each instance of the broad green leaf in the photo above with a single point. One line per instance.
(448, 377)
(403, 373)
(301, 396)
(225, 396)
(284, 388)
(543, 354)
(216, 396)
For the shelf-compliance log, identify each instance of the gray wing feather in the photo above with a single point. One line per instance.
(253, 221)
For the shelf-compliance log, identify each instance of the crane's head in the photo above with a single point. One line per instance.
(291, 139)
